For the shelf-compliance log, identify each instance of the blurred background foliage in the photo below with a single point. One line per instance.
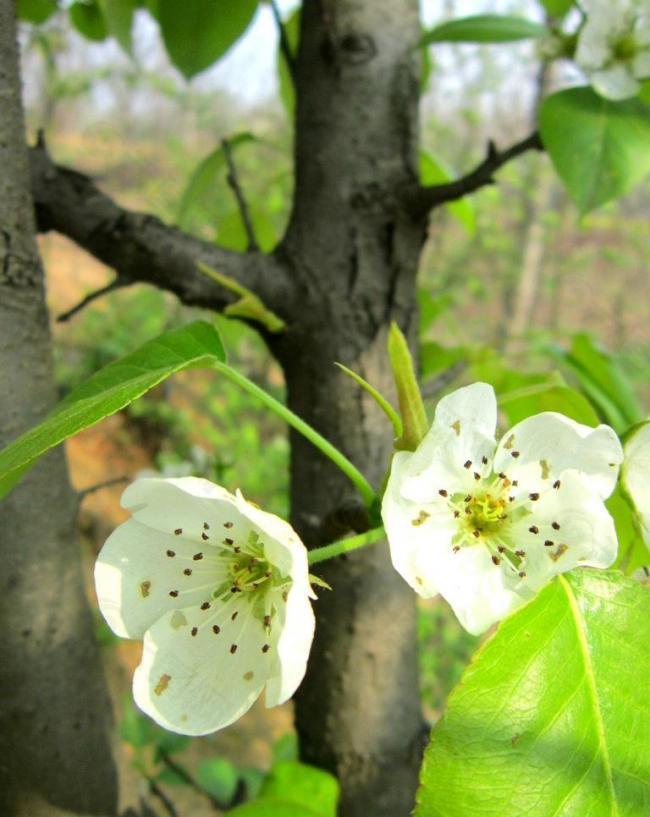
(514, 289)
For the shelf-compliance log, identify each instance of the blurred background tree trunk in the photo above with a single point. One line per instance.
(55, 750)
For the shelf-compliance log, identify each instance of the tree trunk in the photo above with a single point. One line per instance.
(55, 751)
(354, 253)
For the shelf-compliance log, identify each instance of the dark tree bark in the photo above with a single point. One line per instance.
(55, 749)
(344, 270)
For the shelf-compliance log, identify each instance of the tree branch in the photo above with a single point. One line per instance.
(285, 45)
(141, 248)
(233, 182)
(116, 283)
(428, 198)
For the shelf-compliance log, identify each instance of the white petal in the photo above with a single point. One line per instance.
(552, 443)
(185, 504)
(615, 83)
(586, 534)
(196, 684)
(134, 577)
(635, 474)
(416, 532)
(296, 633)
(473, 407)
(479, 592)
(455, 447)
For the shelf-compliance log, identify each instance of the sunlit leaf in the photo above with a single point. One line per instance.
(549, 719)
(218, 777)
(521, 403)
(111, 389)
(557, 8)
(484, 28)
(118, 15)
(304, 785)
(600, 148)
(88, 19)
(35, 11)
(197, 33)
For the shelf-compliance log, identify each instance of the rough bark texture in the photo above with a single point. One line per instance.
(354, 252)
(54, 711)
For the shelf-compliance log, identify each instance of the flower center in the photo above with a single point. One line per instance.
(625, 48)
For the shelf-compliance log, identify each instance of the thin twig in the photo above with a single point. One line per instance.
(285, 45)
(427, 198)
(81, 495)
(92, 296)
(233, 181)
(170, 808)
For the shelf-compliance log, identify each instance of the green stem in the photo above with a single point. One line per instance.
(346, 545)
(339, 459)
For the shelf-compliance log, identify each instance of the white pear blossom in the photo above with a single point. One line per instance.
(614, 46)
(488, 525)
(635, 474)
(219, 589)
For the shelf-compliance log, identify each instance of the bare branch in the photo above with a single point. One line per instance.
(141, 248)
(428, 198)
(91, 489)
(116, 283)
(233, 181)
(285, 45)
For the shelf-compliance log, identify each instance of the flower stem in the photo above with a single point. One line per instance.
(346, 545)
(339, 459)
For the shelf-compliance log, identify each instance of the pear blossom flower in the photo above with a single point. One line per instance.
(487, 525)
(635, 474)
(218, 589)
(614, 46)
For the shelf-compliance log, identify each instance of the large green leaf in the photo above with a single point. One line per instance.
(602, 380)
(523, 402)
(272, 808)
(109, 390)
(204, 177)
(35, 11)
(88, 19)
(198, 32)
(432, 172)
(484, 28)
(118, 15)
(551, 719)
(633, 552)
(600, 148)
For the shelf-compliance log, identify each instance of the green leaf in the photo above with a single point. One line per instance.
(285, 748)
(231, 232)
(435, 358)
(433, 173)
(557, 8)
(304, 785)
(218, 777)
(602, 380)
(285, 80)
(521, 403)
(35, 11)
(88, 19)
(644, 93)
(633, 552)
(197, 33)
(550, 719)
(600, 148)
(204, 177)
(118, 15)
(484, 28)
(110, 389)
(135, 728)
